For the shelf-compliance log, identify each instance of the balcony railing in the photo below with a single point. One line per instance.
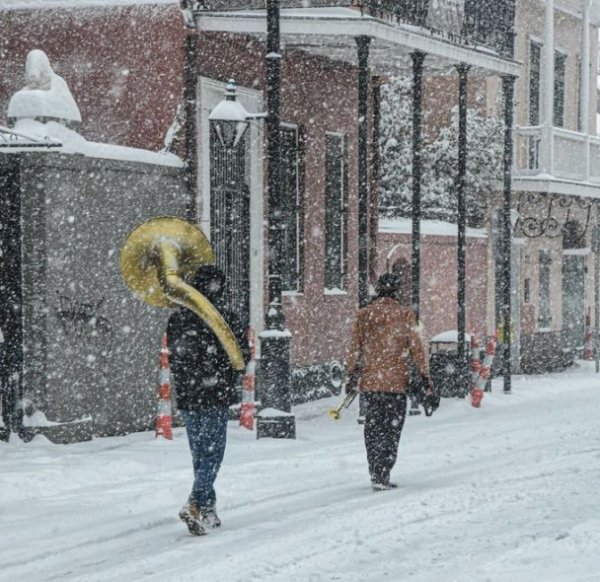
(557, 153)
(487, 23)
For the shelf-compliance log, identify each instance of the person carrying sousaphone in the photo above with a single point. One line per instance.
(205, 386)
(385, 344)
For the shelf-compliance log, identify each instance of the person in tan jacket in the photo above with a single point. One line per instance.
(385, 344)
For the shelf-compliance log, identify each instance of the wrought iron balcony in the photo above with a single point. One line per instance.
(483, 23)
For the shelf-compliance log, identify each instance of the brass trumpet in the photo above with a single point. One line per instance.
(334, 413)
(157, 259)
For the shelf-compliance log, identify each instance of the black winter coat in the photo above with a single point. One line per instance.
(202, 373)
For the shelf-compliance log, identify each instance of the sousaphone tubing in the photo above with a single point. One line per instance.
(158, 261)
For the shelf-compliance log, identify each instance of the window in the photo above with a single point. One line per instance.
(579, 72)
(545, 261)
(535, 51)
(292, 182)
(336, 211)
(560, 60)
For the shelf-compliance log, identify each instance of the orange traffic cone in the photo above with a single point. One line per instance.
(248, 406)
(476, 391)
(164, 415)
(488, 360)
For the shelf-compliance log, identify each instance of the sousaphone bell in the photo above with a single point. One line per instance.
(159, 259)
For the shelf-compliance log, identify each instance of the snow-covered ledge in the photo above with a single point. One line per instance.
(428, 228)
(45, 112)
(73, 143)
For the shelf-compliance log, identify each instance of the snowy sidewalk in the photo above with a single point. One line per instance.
(506, 493)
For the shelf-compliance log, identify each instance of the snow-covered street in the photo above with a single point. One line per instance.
(508, 492)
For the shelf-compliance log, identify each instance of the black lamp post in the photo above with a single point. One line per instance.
(190, 82)
(276, 418)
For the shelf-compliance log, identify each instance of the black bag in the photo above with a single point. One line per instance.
(418, 390)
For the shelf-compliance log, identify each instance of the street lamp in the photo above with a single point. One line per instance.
(230, 118)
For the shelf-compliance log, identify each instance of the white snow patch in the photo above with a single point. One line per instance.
(38, 419)
(428, 228)
(335, 291)
(6, 5)
(273, 412)
(501, 493)
(275, 333)
(46, 94)
(450, 336)
(73, 143)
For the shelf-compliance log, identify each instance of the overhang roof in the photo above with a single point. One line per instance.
(331, 32)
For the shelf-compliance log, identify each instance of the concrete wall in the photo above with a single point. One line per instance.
(89, 347)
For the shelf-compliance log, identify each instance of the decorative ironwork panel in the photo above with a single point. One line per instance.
(486, 22)
(554, 216)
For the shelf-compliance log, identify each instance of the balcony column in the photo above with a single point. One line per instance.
(508, 91)
(547, 149)
(417, 142)
(276, 419)
(418, 59)
(190, 99)
(584, 97)
(463, 71)
(363, 43)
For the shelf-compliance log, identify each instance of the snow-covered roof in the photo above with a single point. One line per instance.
(72, 143)
(428, 228)
(6, 5)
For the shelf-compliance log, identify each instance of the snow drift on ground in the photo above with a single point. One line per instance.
(508, 492)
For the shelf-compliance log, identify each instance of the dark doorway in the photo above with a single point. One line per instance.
(230, 220)
(573, 311)
(573, 287)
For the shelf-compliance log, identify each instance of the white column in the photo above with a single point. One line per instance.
(584, 97)
(547, 153)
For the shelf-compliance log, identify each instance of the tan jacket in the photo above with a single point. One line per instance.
(384, 342)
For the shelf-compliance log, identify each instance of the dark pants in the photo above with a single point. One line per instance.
(207, 435)
(384, 421)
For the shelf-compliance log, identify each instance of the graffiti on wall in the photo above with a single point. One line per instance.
(83, 323)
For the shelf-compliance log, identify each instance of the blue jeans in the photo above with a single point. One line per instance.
(207, 435)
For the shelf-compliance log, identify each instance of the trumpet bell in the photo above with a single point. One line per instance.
(334, 414)
(138, 256)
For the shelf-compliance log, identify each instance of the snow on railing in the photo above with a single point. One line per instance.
(558, 153)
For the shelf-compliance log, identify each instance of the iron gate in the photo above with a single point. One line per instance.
(230, 221)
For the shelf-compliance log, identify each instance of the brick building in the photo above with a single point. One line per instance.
(125, 62)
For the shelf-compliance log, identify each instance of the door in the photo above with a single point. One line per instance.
(573, 311)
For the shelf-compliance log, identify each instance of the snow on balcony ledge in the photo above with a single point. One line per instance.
(73, 143)
(428, 228)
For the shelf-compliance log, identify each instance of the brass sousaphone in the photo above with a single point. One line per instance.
(159, 259)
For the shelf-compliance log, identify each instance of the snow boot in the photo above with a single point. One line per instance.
(190, 515)
(383, 485)
(210, 519)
